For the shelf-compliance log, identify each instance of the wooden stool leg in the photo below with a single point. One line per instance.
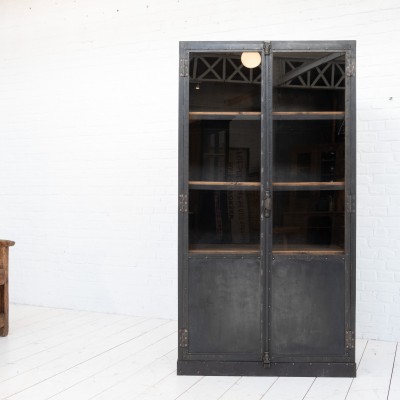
(4, 291)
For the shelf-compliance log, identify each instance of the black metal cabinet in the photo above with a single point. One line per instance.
(267, 208)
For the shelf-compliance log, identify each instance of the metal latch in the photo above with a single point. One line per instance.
(266, 360)
(267, 204)
(183, 337)
(349, 340)
(183, 202)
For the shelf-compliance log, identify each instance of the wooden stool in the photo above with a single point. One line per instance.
(4, 245)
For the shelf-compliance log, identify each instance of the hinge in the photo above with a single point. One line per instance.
(351, 203)
(349, 340)
(266, 360)
(267, 48)
(183, 202)
(183, 337)
(184, 67)
(351, 68)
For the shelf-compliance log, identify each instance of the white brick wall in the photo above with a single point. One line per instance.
(88, 153)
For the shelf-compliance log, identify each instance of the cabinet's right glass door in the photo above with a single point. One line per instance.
(308, 229)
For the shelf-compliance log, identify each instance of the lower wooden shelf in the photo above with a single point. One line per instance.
(307, 249)
(225, 249)
(254, 249)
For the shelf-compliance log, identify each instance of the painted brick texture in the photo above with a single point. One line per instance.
(89, 144)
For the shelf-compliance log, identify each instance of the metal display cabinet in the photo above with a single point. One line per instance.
(267, 208)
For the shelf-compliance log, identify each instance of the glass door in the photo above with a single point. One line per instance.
(225, 276)
(308, 272)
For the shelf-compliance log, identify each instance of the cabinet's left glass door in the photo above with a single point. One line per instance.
(224, 284)
(224, 154)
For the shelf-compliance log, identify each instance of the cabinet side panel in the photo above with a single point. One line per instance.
(307, 307)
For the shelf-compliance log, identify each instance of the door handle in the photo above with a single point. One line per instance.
(267, 204)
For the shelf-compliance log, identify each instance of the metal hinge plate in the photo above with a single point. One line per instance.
(267, 48)
(183, 203)
(266, 360)
(349, 340)
(183, 337)
(351, 68)
(351, 203)
(184, 67)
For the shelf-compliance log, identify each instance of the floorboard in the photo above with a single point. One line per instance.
(374, 372)
(64, 354)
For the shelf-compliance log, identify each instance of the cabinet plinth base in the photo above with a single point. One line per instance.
(240, 368)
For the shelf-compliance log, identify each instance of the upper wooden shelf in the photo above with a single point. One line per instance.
(281, 186)
(255, 115)
(295, 115)
(277, 186)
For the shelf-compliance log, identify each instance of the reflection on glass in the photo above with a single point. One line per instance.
(296, 74)
(309, 151)
(224, 154)
(224, 217)
(308, 220)
(220, 82)
(224, 151)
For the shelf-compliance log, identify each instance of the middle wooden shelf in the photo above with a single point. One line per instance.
(256, 115)
(277, 186)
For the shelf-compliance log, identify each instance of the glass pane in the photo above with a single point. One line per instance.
(296, 74)
(309, 151)
(225, 151)
(220, 82)
(224, 220)
(224, 154)
(308, 220)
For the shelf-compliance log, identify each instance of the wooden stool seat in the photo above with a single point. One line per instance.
(4, 245)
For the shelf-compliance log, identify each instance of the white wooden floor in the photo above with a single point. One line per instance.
(74, 355)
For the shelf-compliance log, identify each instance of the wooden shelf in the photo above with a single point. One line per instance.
(296, 115)
(225, 115)
(254, 249)
(225, 249)
(208, 185)
(307, 249)
(256, 115)
(2, 320)
(278, 186)
(286, 186)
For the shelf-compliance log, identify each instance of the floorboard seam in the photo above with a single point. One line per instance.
(391, 375)
(230, 387)
(97, 355)
(194, 384)
(352, 380)
(312, 383)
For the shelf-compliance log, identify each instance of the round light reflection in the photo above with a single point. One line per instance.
(251, 59)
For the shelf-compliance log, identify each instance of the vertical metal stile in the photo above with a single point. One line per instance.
(183, 189)
(268, 184)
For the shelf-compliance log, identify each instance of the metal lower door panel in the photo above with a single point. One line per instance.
(308, 308)
(225, 302)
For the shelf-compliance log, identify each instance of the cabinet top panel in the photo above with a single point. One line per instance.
(309, 45)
